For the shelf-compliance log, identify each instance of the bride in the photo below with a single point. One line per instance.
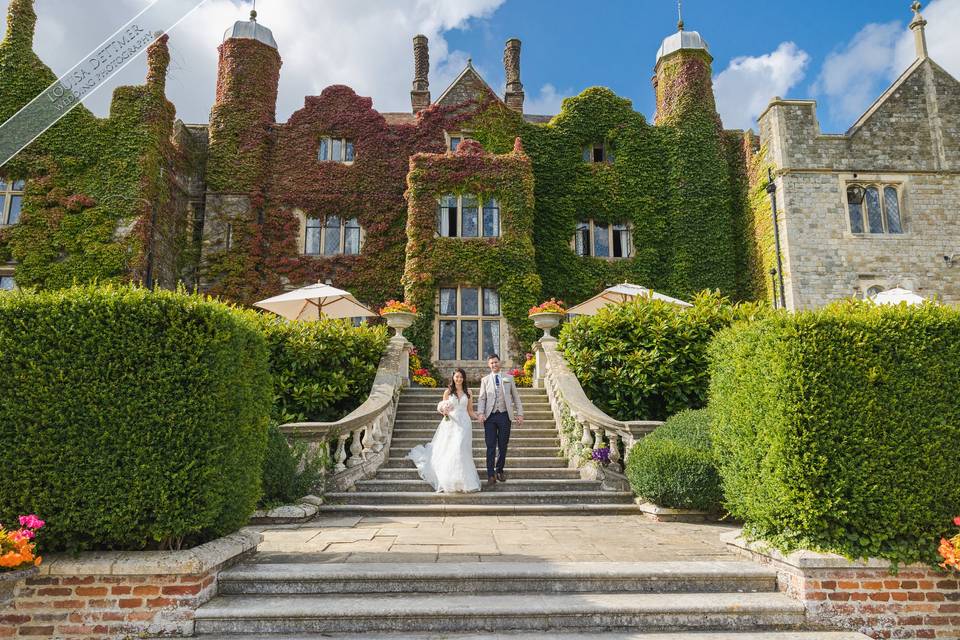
(446, 462)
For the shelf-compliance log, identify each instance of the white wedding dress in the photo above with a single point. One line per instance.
(446, 462)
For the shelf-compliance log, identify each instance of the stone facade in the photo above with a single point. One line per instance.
(910, 140)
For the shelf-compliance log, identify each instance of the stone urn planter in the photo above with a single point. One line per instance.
(546, 321)
(10, 579)
(399, 320)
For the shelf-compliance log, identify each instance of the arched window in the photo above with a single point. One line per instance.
(874, 209)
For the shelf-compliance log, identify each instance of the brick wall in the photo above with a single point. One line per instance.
(105, 606)
(917, 602)
(114, 595)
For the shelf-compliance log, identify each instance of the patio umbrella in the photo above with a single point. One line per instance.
(896, 296)
(315, 301)
(619, 294)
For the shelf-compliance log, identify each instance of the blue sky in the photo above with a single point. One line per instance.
(841, 53)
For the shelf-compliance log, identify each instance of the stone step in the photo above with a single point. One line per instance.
(399, 462)
(480, 450)
(435, 510)
(435, 420)
(573, 635)
(530, 578)
(518, 442)
(404, 413)
(498, 612)
(515, 474)
(426, 433)
(480, 497)
(512, 484)
(535, 404)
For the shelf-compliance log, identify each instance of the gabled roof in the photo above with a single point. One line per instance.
(468, 80)
(892, 89)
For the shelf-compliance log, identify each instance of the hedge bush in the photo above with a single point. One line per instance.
(322, 369)
(837, 429)
(647, 359)
(130, 419)
(290, 471)
(673, 466)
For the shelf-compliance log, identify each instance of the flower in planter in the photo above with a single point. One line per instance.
(395, 306)
(601, 455)
(16, 548)
(950, 550)
(550, 306)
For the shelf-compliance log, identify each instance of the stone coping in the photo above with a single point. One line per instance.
(301, 511)
(197, 560)
(806, 560)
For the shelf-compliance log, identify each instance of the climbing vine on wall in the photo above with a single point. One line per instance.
(99, 191)
(505, 263)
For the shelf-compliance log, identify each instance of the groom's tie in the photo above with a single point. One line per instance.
(496, 390)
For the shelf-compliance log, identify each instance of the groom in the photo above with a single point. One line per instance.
(498, 405)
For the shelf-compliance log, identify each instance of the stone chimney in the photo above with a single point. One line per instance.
(21, 22)
(420, 94)
(919, 35)
(511, 65)
(158, 59)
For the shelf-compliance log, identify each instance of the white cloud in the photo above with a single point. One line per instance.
(546, 103)
(854, 76)
(747, 85)
(367, 45)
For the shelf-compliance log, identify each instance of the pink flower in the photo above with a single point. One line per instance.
(31, 522)
(26, 533)
(956, 521)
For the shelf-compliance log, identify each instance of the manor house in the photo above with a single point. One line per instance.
(468, 206)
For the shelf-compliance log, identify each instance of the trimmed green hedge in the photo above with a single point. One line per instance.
(130, 419)
(837, 429)
(646, 359)
(322, 370)
(673, 466)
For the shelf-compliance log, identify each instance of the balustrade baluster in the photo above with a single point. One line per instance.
(356, 448)
(341, 453)
(614, 441)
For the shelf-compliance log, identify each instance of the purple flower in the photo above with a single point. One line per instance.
(601, 455)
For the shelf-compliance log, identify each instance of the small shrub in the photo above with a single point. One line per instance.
(130, 419)
(290, 471)
(647, 359)
(673, 466)
(322, 369)
(837, 429)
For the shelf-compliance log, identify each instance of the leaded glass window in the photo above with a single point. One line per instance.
(603, 240)
(351, 237)
(11, 200)
(335, 150)
(470, 215)
(462, 216)
(469, 324)
(331, 236)
(312, 241)
(491, 218)
(874, 208)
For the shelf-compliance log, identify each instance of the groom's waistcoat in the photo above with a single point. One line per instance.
(503, 398)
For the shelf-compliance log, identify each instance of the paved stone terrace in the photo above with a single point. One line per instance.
(490, 539)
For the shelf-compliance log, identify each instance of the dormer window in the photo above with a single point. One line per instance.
(602, 240)
(468, 216)
(336, 150)
(598, 152)
(455, 138)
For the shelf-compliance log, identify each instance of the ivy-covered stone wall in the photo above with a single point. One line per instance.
(101, 193)
(102, 202)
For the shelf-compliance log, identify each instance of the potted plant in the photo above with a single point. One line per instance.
(17, 558)
(399, 315)
(547, 315)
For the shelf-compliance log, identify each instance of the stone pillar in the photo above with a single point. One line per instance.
(420, 94)
(158, 59)
(511, 65)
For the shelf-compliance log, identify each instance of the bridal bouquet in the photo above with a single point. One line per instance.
(446, 407)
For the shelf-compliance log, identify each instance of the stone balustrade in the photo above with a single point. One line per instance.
(583, 426)
(368, 428)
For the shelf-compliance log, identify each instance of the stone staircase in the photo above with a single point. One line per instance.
(447, 600)
(538, 479)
